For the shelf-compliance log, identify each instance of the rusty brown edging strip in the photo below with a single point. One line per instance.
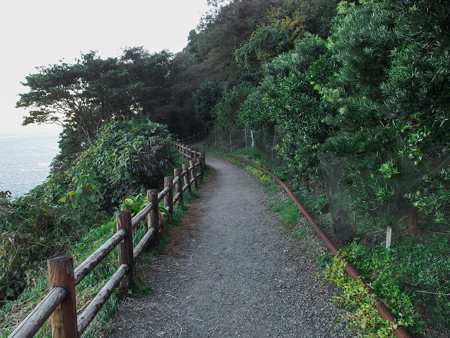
(399, 331)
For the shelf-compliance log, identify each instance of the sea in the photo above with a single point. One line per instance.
(25, 159)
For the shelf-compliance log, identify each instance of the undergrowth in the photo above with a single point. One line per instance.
(409, 278)
(359, 300)
(16, 310)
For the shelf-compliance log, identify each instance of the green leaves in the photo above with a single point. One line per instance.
(226, 111)
(205, 98)
(287, 99)
(134, 204)
(125, 156)
(85, 95)
(271, 39)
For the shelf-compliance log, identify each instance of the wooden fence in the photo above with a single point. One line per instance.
(198, 136)
(60, 301)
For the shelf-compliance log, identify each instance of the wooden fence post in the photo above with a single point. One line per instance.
(168, 199)
(126, 249)
(203, 162)
(153, 215)
(187, 179)
(64, 318)
(200, 160)
(179, 185)
(193, 175)
(195, 155)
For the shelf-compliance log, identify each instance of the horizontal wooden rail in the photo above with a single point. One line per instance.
(96, 304)
(140, 216)
(94, 259)
(33, 322)
(143, 242)
(59, 303)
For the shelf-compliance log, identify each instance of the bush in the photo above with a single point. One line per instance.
(126, 159)
(411, 275)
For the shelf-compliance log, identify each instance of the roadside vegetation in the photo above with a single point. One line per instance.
(398, 276)
(354, 116)
(347, 101)
(13, 311)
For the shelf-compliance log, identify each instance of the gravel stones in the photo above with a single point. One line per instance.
(235, 273)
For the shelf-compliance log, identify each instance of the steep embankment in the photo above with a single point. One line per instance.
(233, 272)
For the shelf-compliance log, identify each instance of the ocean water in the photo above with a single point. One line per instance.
(25, 160)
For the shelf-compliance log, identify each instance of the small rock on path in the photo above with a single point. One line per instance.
(236, 273)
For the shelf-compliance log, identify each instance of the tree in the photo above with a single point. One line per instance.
(287, 100)
(270, 40)
(226, 110)
(417, 93)
(390, 90)
(205, 98)
(85, 95)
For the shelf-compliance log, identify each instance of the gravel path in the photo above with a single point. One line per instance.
(233, 271)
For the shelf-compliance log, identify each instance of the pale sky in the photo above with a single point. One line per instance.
(42, 32)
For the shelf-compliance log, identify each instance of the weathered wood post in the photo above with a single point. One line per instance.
(64, 318)
(187, 179)
(126, 249)
(203, 162)
(195, 159)
(194, 155)
(168, 199)
(179, 185)
(153, 215)
(193, 175)
(200, 169)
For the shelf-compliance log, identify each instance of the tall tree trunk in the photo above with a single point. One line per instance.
(411, 218)
(246, 143)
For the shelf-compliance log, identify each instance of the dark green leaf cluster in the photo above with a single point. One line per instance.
(31, 231)
(85, 95)
(415, 264)
(372, 98)
(125, 159)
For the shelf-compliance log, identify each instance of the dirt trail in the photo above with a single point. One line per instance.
(235, 272)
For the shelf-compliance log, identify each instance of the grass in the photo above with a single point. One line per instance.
(378, 270)
(15, 311)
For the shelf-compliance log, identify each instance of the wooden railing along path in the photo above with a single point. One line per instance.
(200, 135)
(60, 301)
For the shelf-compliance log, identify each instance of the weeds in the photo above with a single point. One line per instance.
(356, 297)
(413, 272)
(15, 311)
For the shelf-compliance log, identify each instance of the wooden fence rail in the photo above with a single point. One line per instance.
(200, 135)
(60, 301)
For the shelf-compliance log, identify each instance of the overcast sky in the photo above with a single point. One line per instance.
(42, 32)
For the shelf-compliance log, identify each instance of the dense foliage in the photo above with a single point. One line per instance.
(125, 159)
(83, 96)
(367, 108)
(354, 94)
(356, 97)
